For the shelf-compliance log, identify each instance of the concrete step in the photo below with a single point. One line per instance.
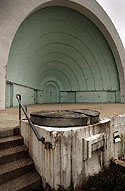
(27, 182)
(12, 141)
(15, 169)
(9, 132)
(13, 154)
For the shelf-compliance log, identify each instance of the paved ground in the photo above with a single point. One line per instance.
(9, 117)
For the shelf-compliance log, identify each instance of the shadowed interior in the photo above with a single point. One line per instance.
(58, 55)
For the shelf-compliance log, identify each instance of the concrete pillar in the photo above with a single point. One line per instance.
(2, 91)
(3, 67)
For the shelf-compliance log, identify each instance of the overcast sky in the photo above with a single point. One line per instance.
(116, 11)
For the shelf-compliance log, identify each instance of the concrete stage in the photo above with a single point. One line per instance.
(9, 116)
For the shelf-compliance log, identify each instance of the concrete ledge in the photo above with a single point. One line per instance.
(9, 132)
(76, 152)
(119, 163)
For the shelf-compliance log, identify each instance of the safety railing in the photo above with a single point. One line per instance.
(21, 107)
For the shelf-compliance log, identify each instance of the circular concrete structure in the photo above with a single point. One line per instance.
(13, 17)
(65, 118)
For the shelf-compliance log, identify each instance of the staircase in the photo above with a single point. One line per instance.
(17, 171)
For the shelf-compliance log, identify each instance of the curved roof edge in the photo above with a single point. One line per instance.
(13, 13)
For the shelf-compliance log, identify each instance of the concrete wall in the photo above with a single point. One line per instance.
(27, 94)
(52, 48)
(13, 13)
(76, 152)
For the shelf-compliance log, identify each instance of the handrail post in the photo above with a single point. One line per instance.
(26, 108)
(19, 96)
(21, 107)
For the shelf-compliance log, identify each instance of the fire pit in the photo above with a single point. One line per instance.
(65, 118)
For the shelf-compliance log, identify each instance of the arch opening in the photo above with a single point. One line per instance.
(59, 53)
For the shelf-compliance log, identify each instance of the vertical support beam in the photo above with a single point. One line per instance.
(19, 115)
(2, 90)
(19, 107)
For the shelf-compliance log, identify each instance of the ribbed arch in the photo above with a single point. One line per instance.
(76, 55)
(60, 75)
(70, 67)
(51, 79)
(96, 68)
(61, 66)
(60, 43)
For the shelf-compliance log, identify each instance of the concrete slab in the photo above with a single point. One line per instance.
(9, 116)
(76, 152)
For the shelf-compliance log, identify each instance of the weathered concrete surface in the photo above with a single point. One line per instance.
(119, 163)
(9, 117)
(16, 168)
(76, 152)
(65, 118)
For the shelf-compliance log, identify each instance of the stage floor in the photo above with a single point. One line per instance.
(9, 116)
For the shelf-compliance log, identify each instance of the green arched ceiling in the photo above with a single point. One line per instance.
(58, 45)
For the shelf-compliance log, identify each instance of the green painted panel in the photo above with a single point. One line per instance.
(26, 93)
(40, 97)
(68, 97)
(111, 97)
(51, 93)
(9, 94)
(35, 96)
(66, 51)
(90, 97)
(118, 96)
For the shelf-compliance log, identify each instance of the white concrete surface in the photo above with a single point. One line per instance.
(76, 152)
(13, 13)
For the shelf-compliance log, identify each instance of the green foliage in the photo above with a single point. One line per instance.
(110, 179)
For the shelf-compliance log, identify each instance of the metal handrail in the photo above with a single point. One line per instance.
(42, 139)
